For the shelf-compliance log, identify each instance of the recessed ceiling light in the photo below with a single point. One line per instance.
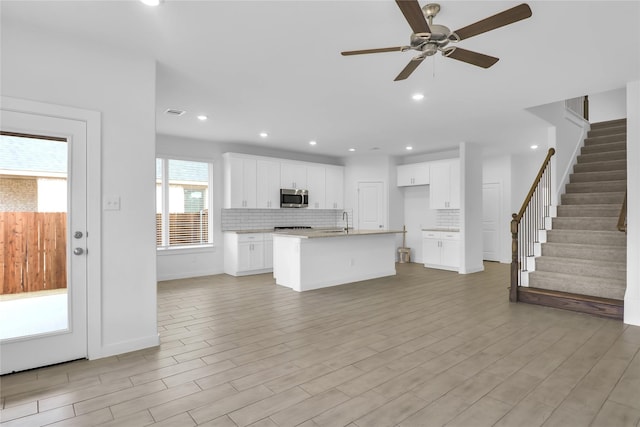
(202, 117)
(417, 96)
(534, 147)
(264, 134)
(408, 147)
(352, 149)
(312, 142)
(151, 2)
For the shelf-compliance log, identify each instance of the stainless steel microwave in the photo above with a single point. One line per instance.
(294, 198)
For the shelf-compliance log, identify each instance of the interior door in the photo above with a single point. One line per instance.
(57, 314)
(491, 221)
(371, 206)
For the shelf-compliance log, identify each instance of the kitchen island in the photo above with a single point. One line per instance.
(306, 260)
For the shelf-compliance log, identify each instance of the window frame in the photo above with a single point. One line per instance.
(165, 211)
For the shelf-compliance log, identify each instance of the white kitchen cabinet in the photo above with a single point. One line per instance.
(316, 186)
(239, 181)
(247, 253)
(334, 187)
(444, 183)
(267, 184)
(293, 175)
(413, 174)
(441, 249)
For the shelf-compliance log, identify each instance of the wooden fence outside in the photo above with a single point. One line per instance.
(33, 251)
(185, 228)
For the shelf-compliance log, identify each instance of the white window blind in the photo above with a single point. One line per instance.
(183, 203)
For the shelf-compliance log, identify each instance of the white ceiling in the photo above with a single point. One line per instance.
(275, 66)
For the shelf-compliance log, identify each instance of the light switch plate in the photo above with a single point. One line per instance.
(111, 203)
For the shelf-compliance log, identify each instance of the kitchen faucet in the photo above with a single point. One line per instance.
(346, 214)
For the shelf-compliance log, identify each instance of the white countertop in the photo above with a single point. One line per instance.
(312, 234)
(450, 230)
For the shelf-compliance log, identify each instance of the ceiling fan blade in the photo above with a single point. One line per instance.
(470, 57)
(410, 68)
(414, 15)
(501, 19)
(365, 51)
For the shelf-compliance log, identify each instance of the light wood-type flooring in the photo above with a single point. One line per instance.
(423, 348)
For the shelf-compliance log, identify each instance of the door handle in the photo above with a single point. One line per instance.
(78, 251)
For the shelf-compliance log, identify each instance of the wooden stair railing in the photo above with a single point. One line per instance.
(526, 223)
(622, 219)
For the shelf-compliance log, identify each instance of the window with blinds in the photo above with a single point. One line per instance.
(183, 203)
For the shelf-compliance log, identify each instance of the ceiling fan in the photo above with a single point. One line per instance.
(429, 38)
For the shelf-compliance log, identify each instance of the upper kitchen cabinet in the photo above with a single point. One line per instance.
(334, 194)
(316, 186)
(239, 181)
(413, 174)
(444, 181)
(293, 175)
(268, 184)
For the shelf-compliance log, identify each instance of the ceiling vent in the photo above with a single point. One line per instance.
(174, 112)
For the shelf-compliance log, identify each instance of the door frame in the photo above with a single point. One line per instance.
(93, 122)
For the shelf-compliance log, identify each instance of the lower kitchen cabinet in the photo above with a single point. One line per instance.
(247, 253)
(441, 249)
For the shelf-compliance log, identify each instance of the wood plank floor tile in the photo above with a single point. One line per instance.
(425, 347)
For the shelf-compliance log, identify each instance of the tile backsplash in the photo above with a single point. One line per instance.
(260, 219)
(448, 218)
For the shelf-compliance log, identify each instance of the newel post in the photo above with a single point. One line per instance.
(513, 290)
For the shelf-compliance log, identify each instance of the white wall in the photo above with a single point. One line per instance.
(471, 208)
(417, 216)
(632, 296)
(610, 105)
(56, 70)
(497, 170)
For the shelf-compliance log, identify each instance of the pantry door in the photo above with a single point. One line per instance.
(44, 312)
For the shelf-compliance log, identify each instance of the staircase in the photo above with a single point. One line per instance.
(584, 255)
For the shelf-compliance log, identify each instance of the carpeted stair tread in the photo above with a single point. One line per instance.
(582, 267)
(610, 130)
(608, 210)
(609, 123)
(600, 157)
(593, 237)
(609, 175)
(607, 165)
(602, 148)
(585, 223)
(576, 284)
(596, 187)
(592, 198)
(582, 251)
(606, 139)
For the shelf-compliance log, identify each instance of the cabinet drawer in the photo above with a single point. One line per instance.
(431, 234)
(450, 236)
(250, 237)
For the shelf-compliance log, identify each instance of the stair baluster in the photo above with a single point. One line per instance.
(526, 223)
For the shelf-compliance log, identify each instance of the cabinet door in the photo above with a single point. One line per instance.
(293, 175)
(334, 187)
(240, 182)
(451, 253)
(244, 256)
(267, 184)
(405, 175)
(256, 256)
(316, 186)
(431, 251)
(454, 184)
(439, 185)
(421, 174)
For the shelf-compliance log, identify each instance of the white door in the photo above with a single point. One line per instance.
(491, 221)
(54, 316)
(371, 206)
